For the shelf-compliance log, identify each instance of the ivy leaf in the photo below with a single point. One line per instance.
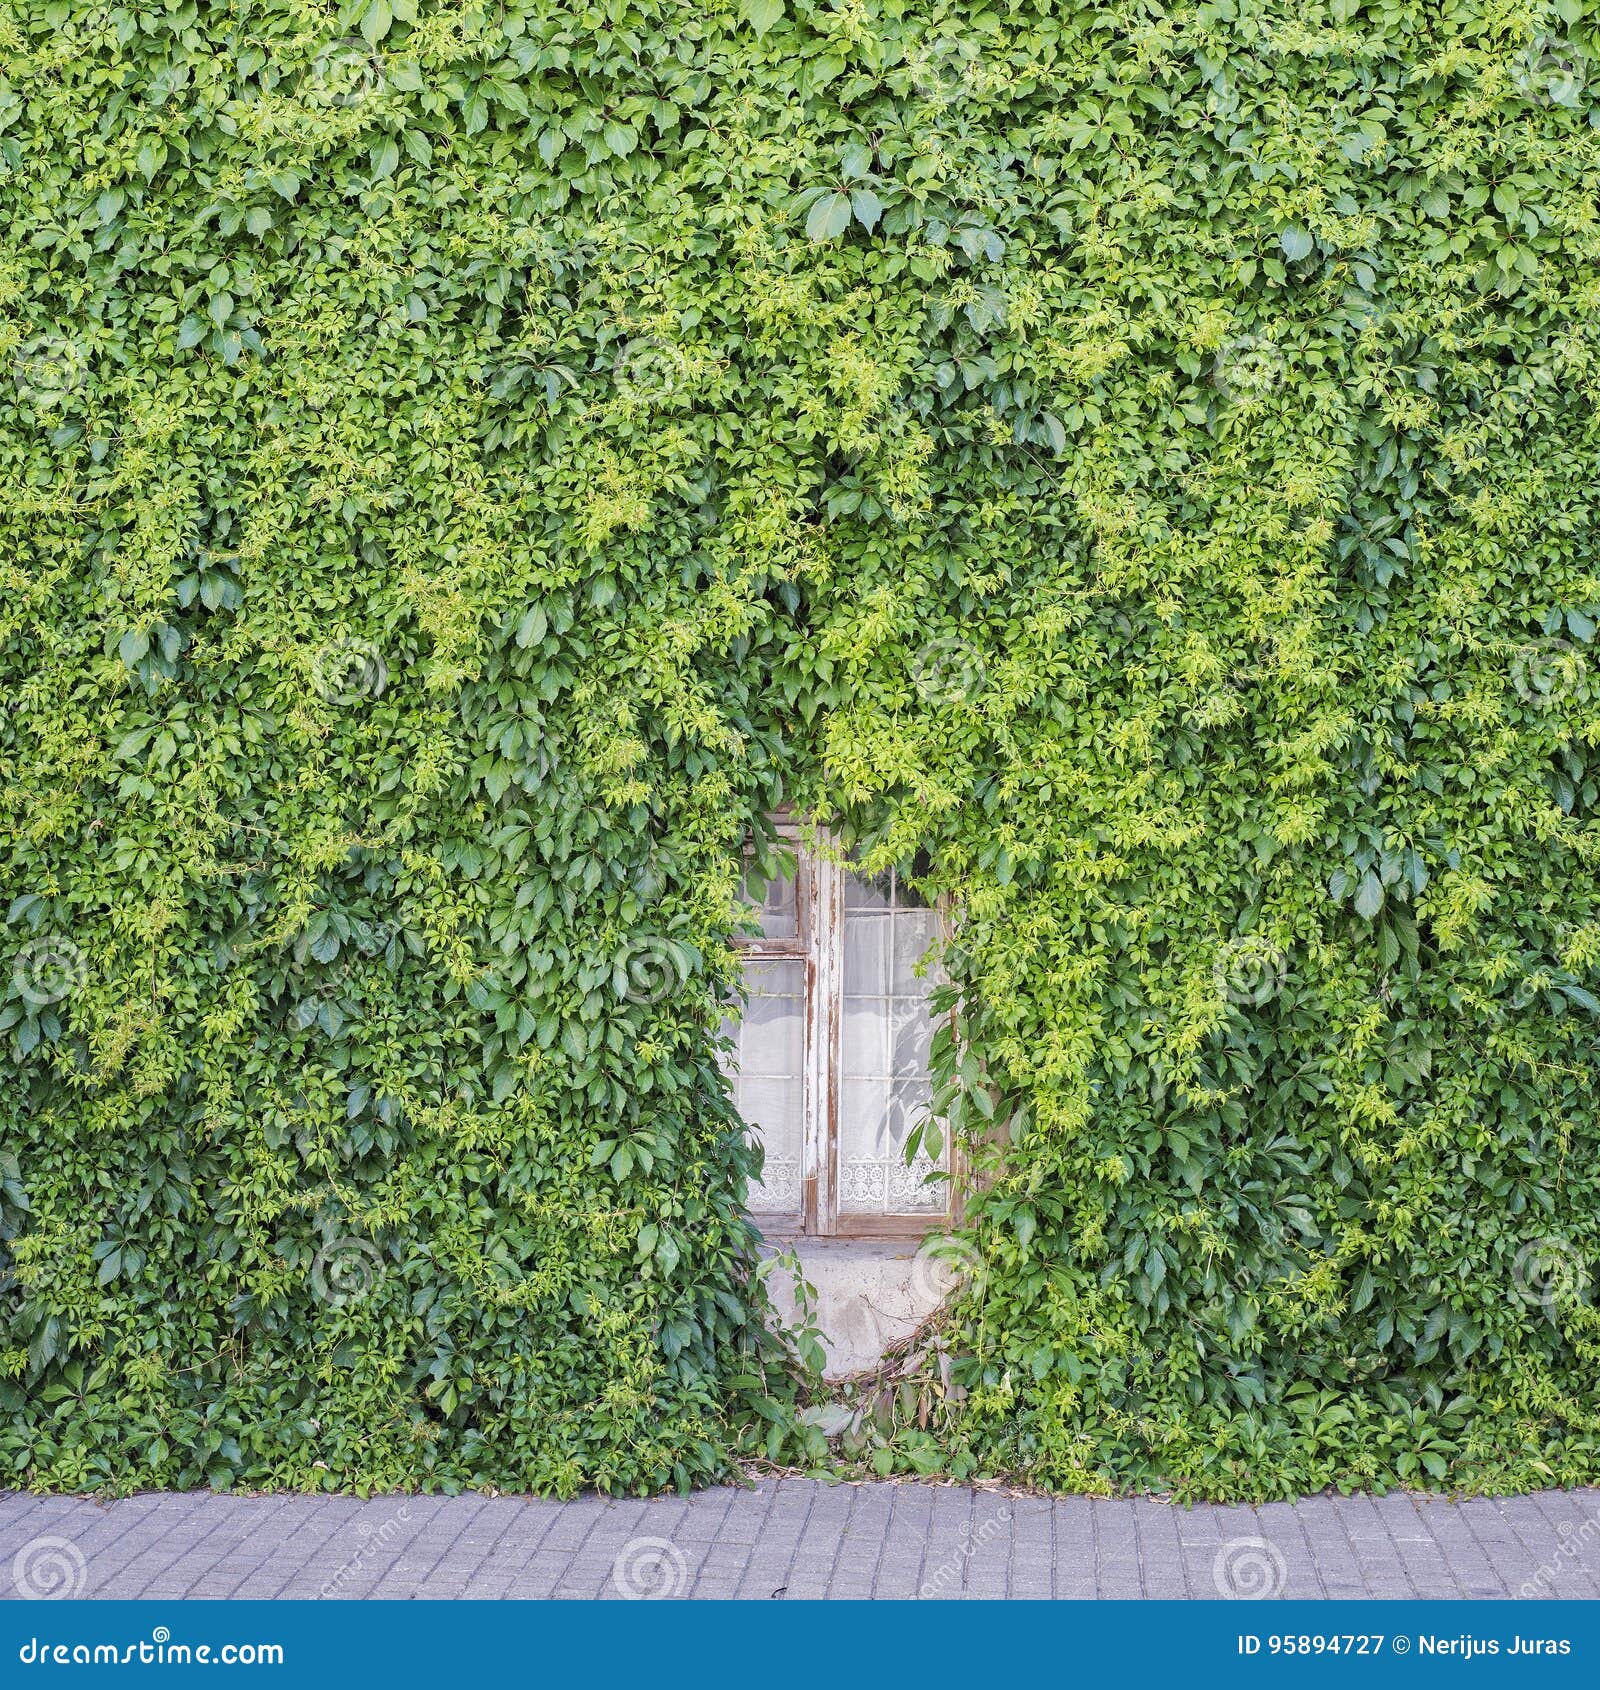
(763, 14)
(1296, 243)
(829, 217)
(867, 206)
(1369, 896)
(375, 21)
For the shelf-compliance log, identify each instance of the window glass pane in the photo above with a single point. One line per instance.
(866, 953)
(774, 901)
(885, 1035)
(866, 894)
(910, 1039)
(914, 933)
(863, 1037)
(769, 1079)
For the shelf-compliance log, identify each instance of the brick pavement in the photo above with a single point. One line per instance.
(795, 1538)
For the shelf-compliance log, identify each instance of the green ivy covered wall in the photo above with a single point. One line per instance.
(464, 466)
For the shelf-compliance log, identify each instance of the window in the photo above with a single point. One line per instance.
(832, 1057)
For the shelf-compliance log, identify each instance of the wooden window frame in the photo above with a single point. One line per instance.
(818, 944)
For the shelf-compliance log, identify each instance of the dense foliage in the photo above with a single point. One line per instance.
(465, 464)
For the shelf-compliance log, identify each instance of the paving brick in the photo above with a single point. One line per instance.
(795, 1538)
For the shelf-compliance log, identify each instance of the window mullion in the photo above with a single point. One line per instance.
(822, 1103)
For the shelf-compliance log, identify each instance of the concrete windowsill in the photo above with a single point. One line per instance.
(870, 1292)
